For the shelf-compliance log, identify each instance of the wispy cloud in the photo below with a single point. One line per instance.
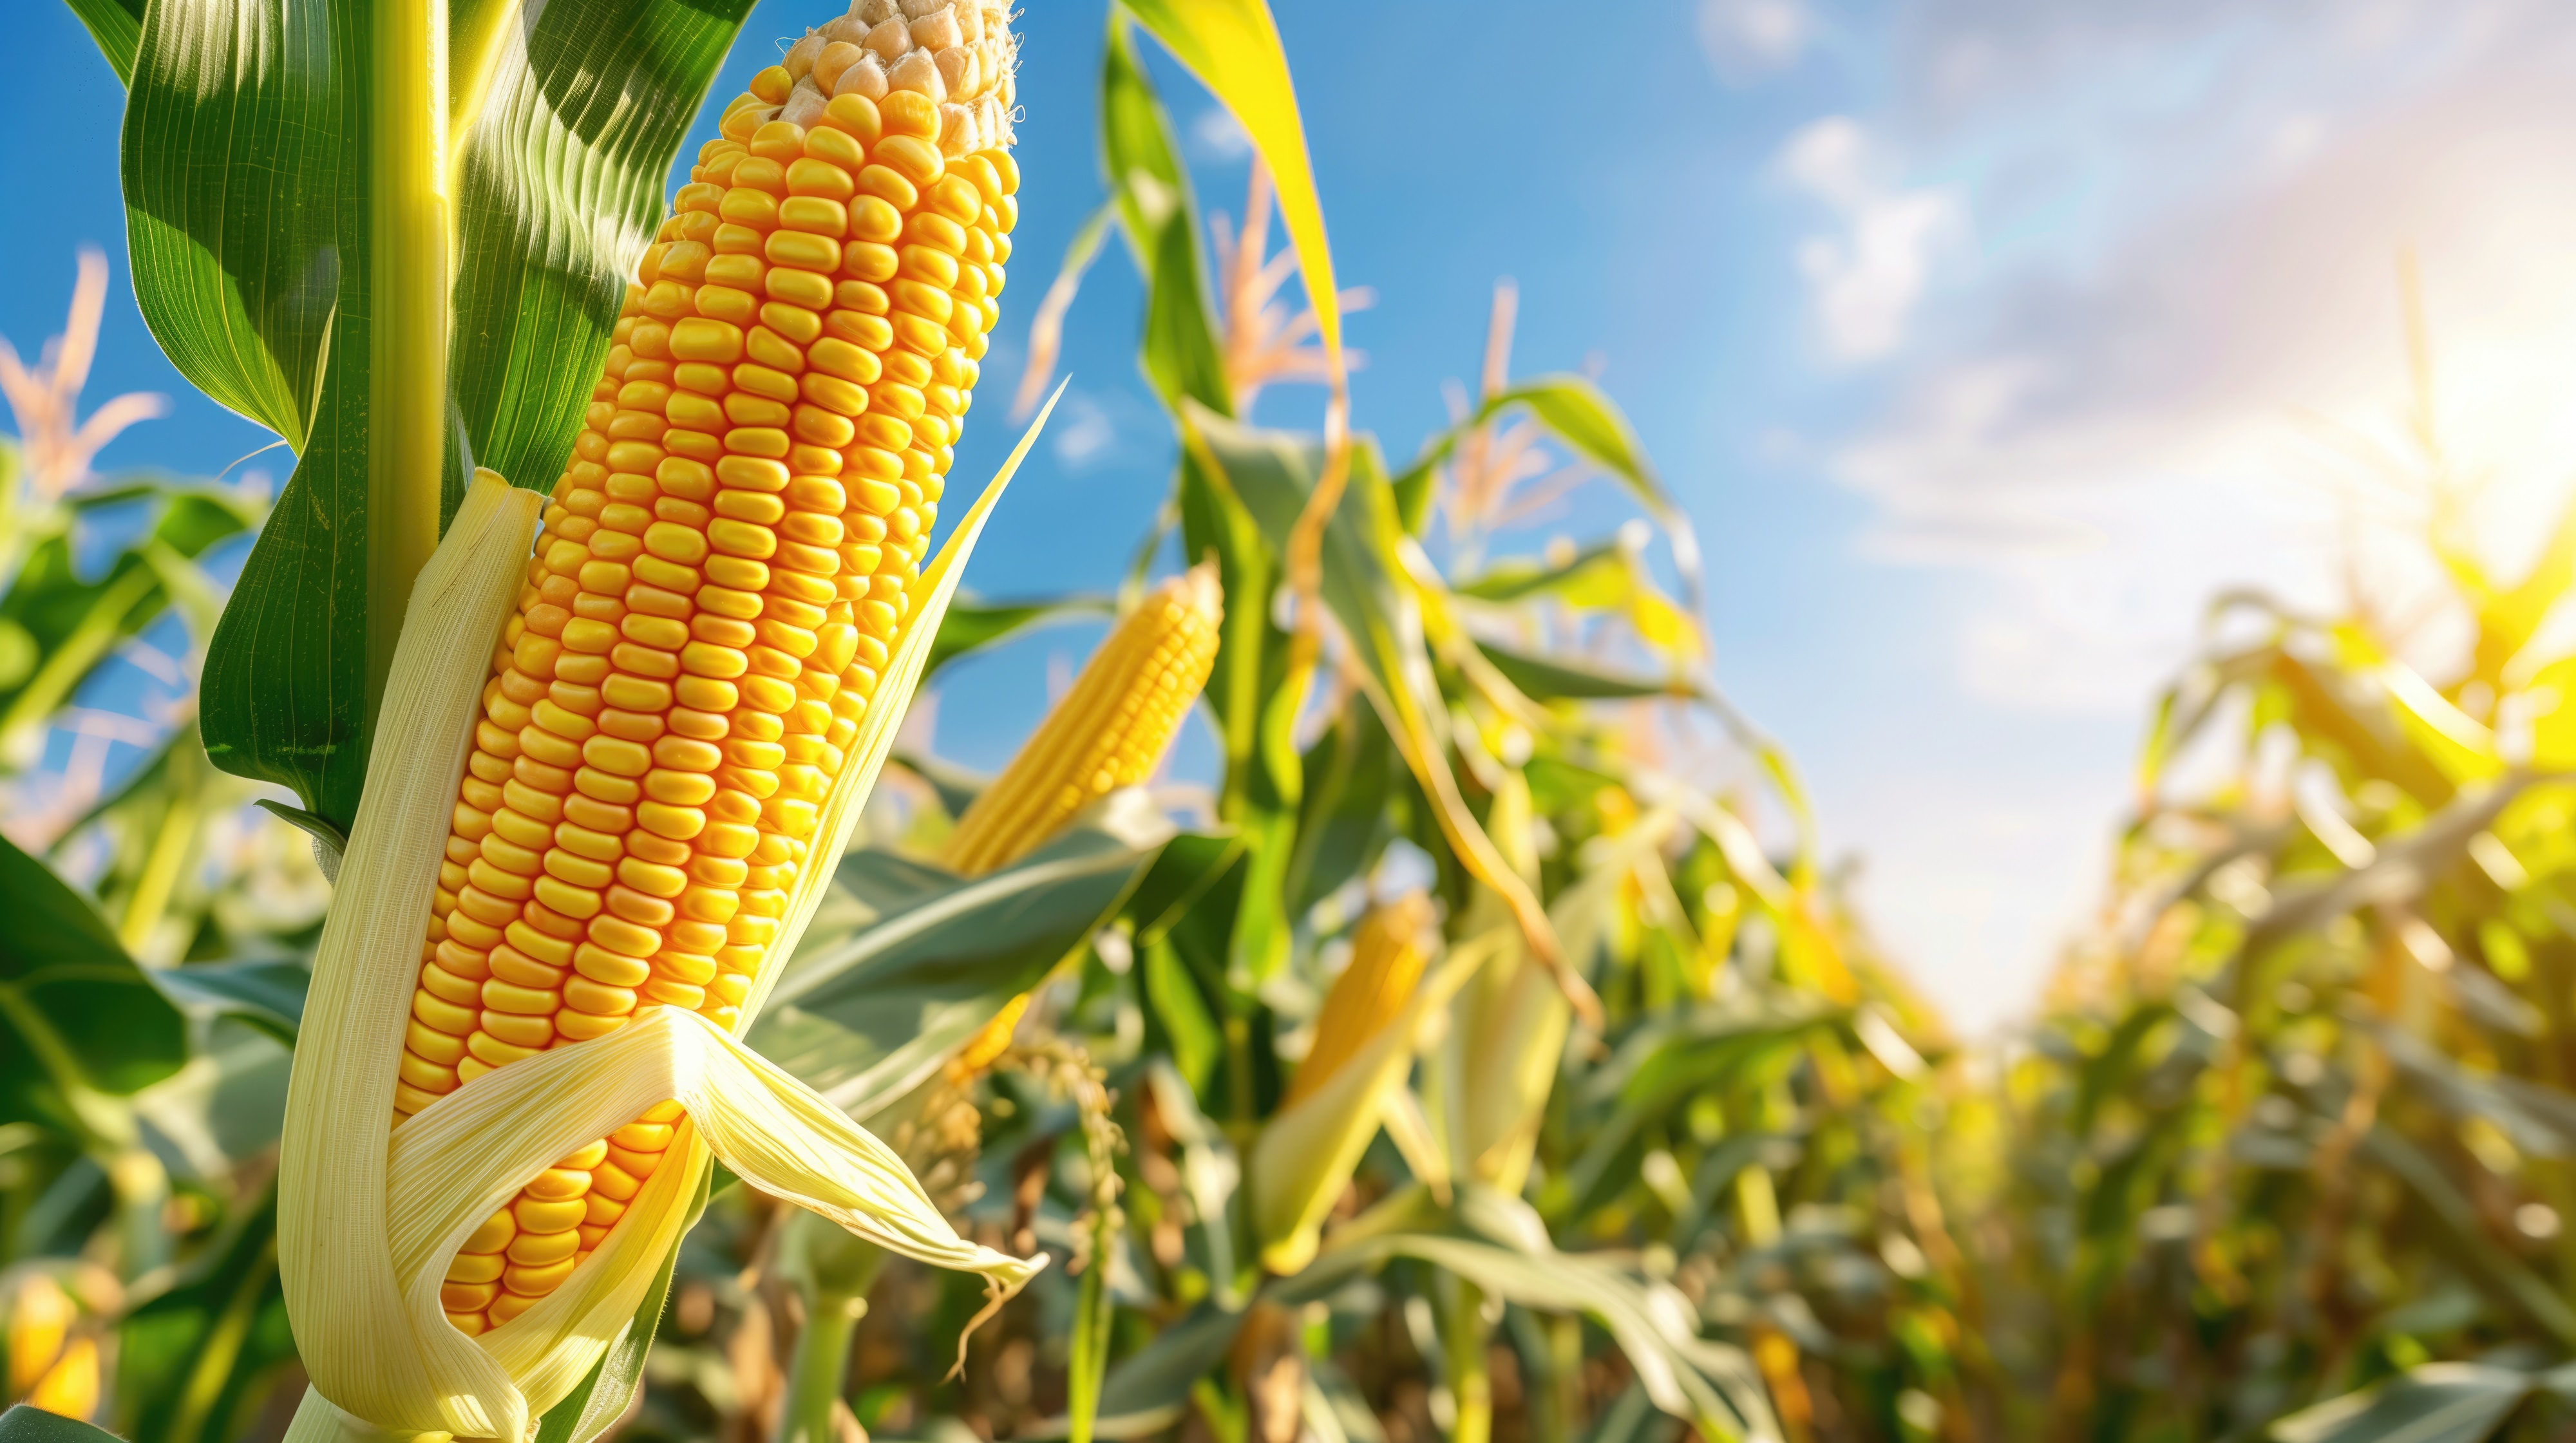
(1867, 280)
(1217, 135)
(2187, 226)
(1086, 436)
(1747, 39)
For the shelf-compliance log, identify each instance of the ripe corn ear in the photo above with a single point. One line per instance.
(70, 1387)
(50, 1366)
(1110, 731)
(1363, 1050)
(724, 567)
(1386, 963)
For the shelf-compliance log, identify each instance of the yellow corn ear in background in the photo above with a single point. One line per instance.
(711, 604)
(1109, 732)
(49, 1367)
(1387, 958)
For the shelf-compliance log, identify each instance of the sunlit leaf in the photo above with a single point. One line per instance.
(907, 962)
(2436, 1403)
(972, 625)
(1273, 473)
(77, 1011)
(1232, 46)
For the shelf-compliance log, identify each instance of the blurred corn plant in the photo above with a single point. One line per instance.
(2294, 1147)
(137, 1103)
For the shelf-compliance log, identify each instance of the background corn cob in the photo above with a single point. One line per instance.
(1386, 963)
(1109, 731)
(721, 575)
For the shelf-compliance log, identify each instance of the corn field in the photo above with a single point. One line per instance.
(534, 986)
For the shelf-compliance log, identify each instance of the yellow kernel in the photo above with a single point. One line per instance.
(700, 339)
(810, 176)
(503, 996)
(558, 1183)
(426, 1075)
(794, 319)
(494, 1235)
(662, 633)
(588, 637)
(835, 148)
(740, 538)
(834, 394)
(917, 159)
(616, 755)
(707, 659)
(804, 289)
(567, 898)
(766, 442)
(598, 999)
(534, 1250)
(871, 262)
(609, 969)
(745, 206)
(919, 334)
(738, 272)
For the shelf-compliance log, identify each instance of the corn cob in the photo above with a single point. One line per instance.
(1386, 963)
(50, 1366)
(722, 572)
(1109, 731)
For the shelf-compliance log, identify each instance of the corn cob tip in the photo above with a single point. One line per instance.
(1199, 589)
(958, 54)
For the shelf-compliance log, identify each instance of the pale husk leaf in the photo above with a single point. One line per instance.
(1305, 1155)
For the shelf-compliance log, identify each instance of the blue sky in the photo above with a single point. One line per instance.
(1975, 334)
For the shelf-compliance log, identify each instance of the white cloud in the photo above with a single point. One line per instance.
(1867, 281)
(1086, 435)
(2169, 362)
(2110, 416)
(1747, 38)
(1217, 135)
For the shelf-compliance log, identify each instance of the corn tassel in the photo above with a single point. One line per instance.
(727, 562)
(1109, 732)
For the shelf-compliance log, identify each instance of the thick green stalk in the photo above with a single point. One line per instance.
(1088, 1367)
(1470, 1381)
(833, 1272)
(822, 1358)
(407, 406)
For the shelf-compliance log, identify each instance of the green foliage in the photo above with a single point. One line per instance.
(57, 625)
(81, 1018)
(269, 230)
(23, 1424)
